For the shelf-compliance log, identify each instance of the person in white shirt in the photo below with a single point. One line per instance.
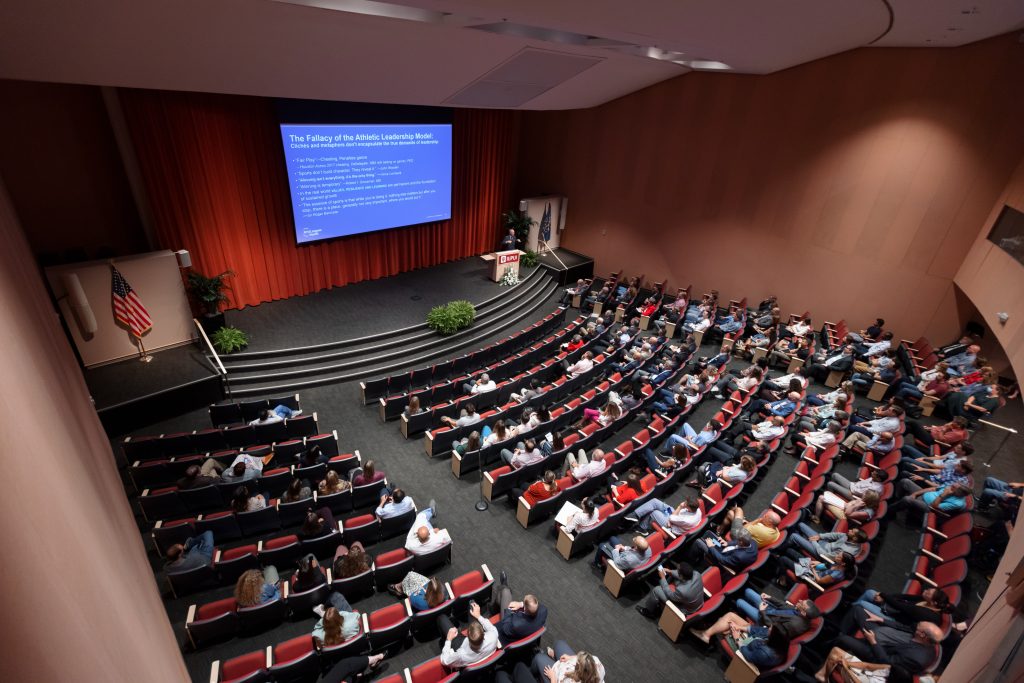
(501, 432)
(483, 383)
(424, 538)
(560, 664)
(278, 414)
(479, 643)
(526, 453)
(468, 416)
(588, 516)
(580, 468)
(682, 520)
(584, 364)
(820, 439)
(397, 503)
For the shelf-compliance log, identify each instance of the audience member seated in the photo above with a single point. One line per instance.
(526, 453)
(542, 489)
(255, 587)
(629, 490)
(781, 408)
(999, 490)
(963, 362)
(308, 575)
(468, 444)
(911, 651)
(913, 459)
(951, 433)
(604, 417)
(878, 371)
(839, 395)
(243, 468)
(278, 414)
(338, 622)
(195, 552)
(413, 408)
(710, 472)
(763, 611)
(313, 456)
(625, 557)
(663, 465)
(883, 442)
(467, 416)
(584, 364)
(823, 573)
(580, 468)
(502, 432)
(394, 504)
(353, 669)
(423, 537)
(747, 379)
(423, 593)
(868, 350)
(332, 483)
(840, 360)
(518, 619)
(899, 610)
(480, 641)
(742, 432)
(559, 664)
(764, 530)
(585, 518)
(727, 454)
(736, 554)
(857, 510)
(483, 384)
(368, 475)
(195, 478)
(241, 501)
(944, 499)
(686, 517)
(690, 439)
(350, 561)
(535, 389)
(828, 544)
(318, 523)
(296, 491)
(975, 406)
(819, 439)
(687, 592)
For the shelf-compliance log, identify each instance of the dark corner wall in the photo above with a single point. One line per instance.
(852, 186)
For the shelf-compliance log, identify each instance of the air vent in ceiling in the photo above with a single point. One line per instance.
(521, 78)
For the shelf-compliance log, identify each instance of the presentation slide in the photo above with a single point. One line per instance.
(350, 179)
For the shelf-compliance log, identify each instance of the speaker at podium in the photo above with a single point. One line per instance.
(503, 261)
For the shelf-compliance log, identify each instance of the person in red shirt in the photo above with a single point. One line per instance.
(575, 343)
(951, 433)
(540, 490)
(630, 490)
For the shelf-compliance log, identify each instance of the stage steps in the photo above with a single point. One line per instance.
(287, 370)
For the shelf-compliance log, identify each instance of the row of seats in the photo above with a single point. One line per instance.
(224, 414)
(169, 501)
(450, 391)
(373, 389)
(161, 471)
(137, 448)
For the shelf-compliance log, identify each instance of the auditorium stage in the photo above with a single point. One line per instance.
(360, 330)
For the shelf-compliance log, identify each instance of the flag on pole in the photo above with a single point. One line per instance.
(128, 308)
(545, 224)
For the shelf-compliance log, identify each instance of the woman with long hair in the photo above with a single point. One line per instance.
(468, 444)
(369, 474)
(629, 490)
(241, 501)
(296, 491)
(338, 622)
(351, 561)
(308, 576)
(423, 593)
(255, 587)
(332, 483)
(561, 664)
(318, 523)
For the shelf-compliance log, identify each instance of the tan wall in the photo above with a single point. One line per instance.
(994, 280)
(155, 278)
(851, 186)
(79, 598)
(63, 170)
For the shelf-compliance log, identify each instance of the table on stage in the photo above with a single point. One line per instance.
(503, 261)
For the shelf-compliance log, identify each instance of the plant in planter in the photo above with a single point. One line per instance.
(519, 222)
(451, 317)
(509, 279)
(208, 293)
(229, 339)
(530, 258)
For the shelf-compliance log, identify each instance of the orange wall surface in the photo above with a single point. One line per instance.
(852, 186)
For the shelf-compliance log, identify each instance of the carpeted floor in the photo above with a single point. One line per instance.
(581, 610)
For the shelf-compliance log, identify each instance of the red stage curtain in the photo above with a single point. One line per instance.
(214, 172)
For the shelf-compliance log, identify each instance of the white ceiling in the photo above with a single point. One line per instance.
(434, 55)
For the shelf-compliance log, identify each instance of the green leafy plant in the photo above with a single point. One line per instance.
(451, 317)
(519, 222)
(530, 258)
(229, 339)
(209, 291)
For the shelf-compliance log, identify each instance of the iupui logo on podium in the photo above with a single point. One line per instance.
(508, 258)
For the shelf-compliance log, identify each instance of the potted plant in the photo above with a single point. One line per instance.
(229, 339)
(208, 293)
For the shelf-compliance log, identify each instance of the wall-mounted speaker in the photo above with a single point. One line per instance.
(184, 258)
(79, 305)
(523, 205)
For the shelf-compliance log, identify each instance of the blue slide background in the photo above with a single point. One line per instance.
(351, 179)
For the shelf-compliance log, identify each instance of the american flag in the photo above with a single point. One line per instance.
(128, 308)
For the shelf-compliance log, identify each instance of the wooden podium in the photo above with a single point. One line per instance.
(502, 262)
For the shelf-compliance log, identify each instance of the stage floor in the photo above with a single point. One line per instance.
(365, 308)
(131, 379)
